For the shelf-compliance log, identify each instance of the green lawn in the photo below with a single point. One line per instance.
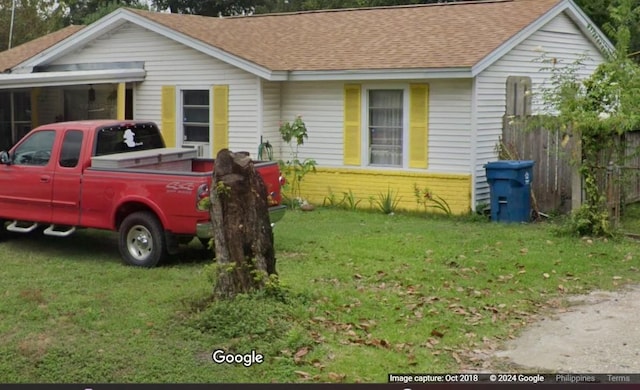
(366, 295)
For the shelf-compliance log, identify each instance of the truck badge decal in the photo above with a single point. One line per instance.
(180, 187)
(129, 139)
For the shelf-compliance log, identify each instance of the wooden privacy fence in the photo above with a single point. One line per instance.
(554, 186)
(552, 172)
(621, 183)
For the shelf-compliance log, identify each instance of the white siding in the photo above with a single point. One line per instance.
(170, 63)
(560, 39)
(321, 107)
(271, 103)
(450, 126)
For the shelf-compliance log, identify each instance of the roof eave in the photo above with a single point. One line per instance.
(373, 74)
(574, 12)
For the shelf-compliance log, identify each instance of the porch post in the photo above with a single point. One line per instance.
(120, 101)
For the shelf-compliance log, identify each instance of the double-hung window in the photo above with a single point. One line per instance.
(195, 115)
(386, 127)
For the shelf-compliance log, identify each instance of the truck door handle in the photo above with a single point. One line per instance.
(45, 178)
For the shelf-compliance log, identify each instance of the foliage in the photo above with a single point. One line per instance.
(388, 202)
(428, 199)
(588, 221)
(222, 189)
(597, 110)
(351, 203)
(88, 11)
(32, 19)
(332, 201)
(348, 201)
(210, 7)
(294, 169)
(106, 7)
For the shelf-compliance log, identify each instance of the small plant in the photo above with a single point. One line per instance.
(372, 201)
(428, 199)
(589, 220)
(387, 203)
(332, 201)
(349, 201)
(223, 190)
(295, 169)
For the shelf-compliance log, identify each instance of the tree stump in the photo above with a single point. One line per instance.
(242, 230)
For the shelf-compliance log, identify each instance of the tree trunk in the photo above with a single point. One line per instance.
(242, 229)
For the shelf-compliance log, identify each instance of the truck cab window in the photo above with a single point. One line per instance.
(71, 146)
(36, 149)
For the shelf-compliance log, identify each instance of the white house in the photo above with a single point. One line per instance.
(392, 96)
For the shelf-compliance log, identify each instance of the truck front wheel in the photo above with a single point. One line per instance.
(141, 240)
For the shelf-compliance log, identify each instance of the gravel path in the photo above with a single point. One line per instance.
(599, 333)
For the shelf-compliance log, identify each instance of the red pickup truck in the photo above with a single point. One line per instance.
(114, 175)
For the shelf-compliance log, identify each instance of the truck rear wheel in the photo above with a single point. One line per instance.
(141, 240)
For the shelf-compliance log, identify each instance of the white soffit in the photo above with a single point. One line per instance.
(50, 79)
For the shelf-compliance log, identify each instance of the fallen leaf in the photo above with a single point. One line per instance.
(437, 333)
(545, 275)
(302, 352)
(337, 377)
(617, 277)
(302, 374)
(431, 342)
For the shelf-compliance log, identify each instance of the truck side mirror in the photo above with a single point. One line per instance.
(5, 158)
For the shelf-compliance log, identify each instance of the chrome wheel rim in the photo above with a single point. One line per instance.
(139, 242)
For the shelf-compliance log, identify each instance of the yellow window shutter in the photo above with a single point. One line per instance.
(418, 125)
(120, 99)
(35, 95)
(352, 124)
(220, 118)
(168, 107)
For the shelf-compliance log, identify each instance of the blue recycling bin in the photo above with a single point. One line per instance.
(510, 186)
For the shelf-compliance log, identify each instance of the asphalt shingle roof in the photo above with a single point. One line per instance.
(447, 35)
(16, 55)
(421, 36)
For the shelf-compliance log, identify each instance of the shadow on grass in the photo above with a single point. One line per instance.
(95, 246)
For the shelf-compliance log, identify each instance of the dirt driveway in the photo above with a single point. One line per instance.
(597, 333)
